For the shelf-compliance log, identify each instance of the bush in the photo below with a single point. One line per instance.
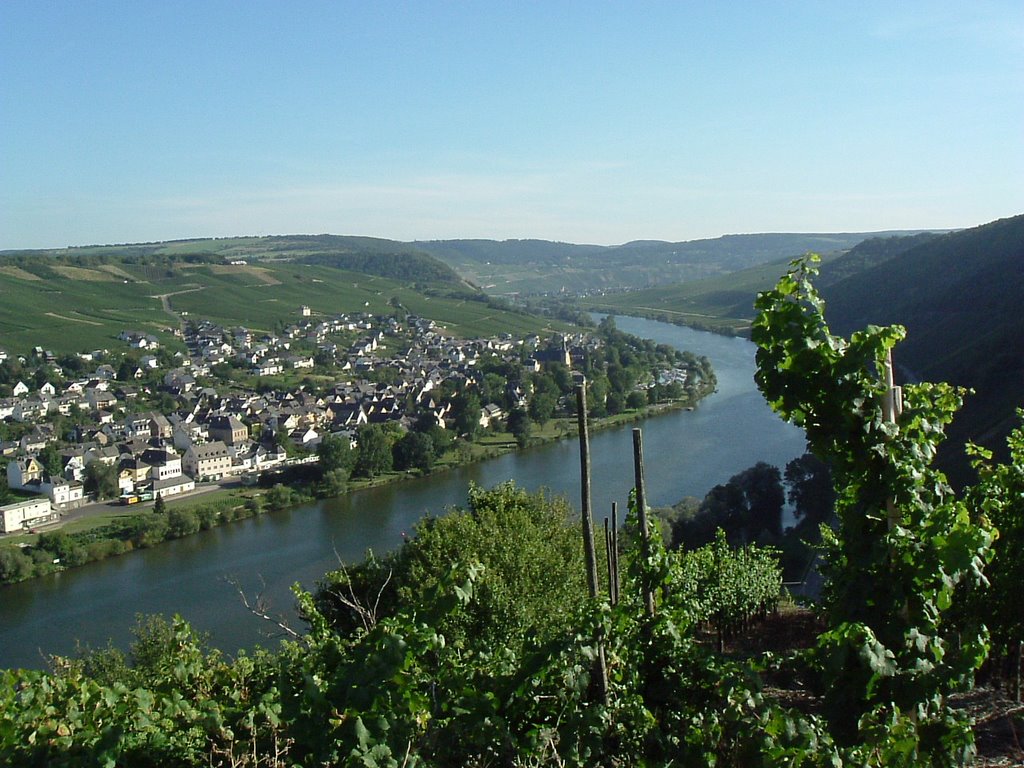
(181, 522)
(15, 565)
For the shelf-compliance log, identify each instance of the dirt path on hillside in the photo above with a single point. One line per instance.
(165, 302)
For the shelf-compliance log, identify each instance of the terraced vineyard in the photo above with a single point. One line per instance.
(67, 308)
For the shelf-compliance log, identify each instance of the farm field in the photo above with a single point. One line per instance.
(66, 314)
(70, 309)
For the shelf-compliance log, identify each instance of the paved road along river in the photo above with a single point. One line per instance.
(686, 453)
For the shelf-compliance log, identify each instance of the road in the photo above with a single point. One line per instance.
(107, 507)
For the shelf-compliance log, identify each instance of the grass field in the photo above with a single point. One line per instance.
(75, 309)
(724, 302)
(64, 314)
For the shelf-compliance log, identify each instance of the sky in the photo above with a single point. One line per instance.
(587, 122)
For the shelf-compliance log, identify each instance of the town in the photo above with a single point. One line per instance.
(145, 423)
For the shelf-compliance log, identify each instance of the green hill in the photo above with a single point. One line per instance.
(724, 303)
(959, 296)
(540, 266)
(76, 299)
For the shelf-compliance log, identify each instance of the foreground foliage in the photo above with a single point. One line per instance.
(904, 541)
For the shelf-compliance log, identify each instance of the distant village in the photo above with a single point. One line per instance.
(219, 427)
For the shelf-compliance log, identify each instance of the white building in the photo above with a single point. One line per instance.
(209, 460)
(164, 463)
(23, 515)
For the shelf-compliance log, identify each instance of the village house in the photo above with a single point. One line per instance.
(159, 426)
(24, 515)
(29, 410)
(64, 494)
(28, 474)
(306, 438)
(489, 414)
(105, 454)
(268, 367)
(132, 473)
(99, 399)
(173, 486)
(24, 471)
(209, 461)
(228, 429)
(188, 433)
(164, 462)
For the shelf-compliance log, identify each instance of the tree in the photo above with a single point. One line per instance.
(336, 453)
(159, 506)
(333, 483)
(373, 452)
(636, 400)
(126, 369)
(597, 395)
(51, 460)
(615, 403)
(747, 508)
(531, 584)
(810, 488)
(466, 413)
(101, 480)
(519, 426)
(181, 523)
(1000, 604)
(763, 497)
(414, 450)
(542, 406)
(15, 565)
(280, 497)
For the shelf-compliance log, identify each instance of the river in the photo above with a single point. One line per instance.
(685, 452)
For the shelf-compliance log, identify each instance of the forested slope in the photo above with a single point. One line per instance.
(960, 297)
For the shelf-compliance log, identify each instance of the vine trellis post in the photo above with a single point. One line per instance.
(611, 546)
(892, 407)
(589, 553)
(641, 512)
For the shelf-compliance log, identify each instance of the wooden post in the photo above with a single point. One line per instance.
(608, 561)
(587, 515)
(588, 529)
(641, 511)
(892, 406)
(615, 549)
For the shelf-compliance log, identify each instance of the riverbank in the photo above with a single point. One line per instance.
(113, 531)
(198, 577)
(719, 325)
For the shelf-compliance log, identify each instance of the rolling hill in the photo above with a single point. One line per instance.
(959, 296)
(539, 266)
(78, 299)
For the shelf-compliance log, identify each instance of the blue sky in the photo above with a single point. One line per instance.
(584, 122)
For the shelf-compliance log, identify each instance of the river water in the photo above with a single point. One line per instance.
(686, 453)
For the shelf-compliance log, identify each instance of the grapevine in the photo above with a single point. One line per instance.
(904, 541)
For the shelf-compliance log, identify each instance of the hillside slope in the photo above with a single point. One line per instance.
(959, 296)
(82, 299)
(540, 266)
